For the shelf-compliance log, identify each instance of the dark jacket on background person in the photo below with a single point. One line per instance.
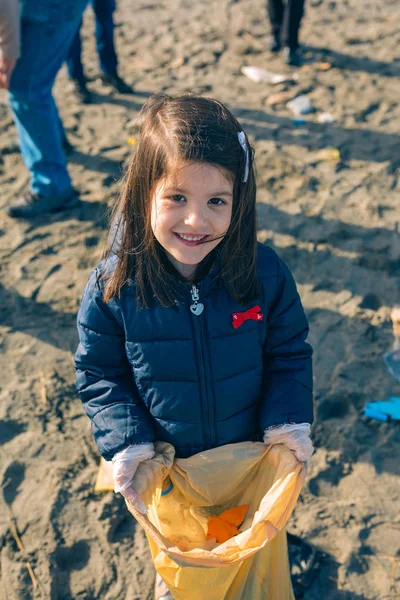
(191, 380)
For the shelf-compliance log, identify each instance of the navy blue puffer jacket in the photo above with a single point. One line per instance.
(194, 380)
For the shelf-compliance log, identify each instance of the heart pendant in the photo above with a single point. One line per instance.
(197, 309)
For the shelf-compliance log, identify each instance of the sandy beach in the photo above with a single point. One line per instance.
(335, 222)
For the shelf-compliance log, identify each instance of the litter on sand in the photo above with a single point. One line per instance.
(280, 98)
(384, 410)
(392, 361)
(322, 66)
(260, 75)
(392, 358)
(317, 66)
(325, 117)
(300, 105)
(328, 154)
(131, 140)
(389, 410)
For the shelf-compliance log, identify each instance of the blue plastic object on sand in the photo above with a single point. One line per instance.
(384, 410)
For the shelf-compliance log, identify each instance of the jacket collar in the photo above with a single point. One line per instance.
(204, 284)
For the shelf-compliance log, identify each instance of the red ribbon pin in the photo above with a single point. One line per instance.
(253, 314)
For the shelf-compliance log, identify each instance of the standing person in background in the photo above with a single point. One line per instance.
(103, 10)
(34, 41)
(285, 21)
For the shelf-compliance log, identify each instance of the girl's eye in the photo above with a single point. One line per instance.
(217, 201)
(178, 198)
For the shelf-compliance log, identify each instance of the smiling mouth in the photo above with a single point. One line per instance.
(191, 240)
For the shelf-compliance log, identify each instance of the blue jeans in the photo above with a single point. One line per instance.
(103, 10)
(46, 36)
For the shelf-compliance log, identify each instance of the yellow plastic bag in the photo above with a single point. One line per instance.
(251, 566)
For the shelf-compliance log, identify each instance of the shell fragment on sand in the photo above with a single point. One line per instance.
(179, 61)
(280, 98)
(323, 66)
(317, 66)
(260, 75)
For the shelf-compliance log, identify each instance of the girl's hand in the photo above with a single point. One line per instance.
(125, 464)
(295, 436)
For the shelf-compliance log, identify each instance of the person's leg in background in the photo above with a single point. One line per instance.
(275, 13)
(75, 69)
(44, 47)
(103, 10)
(290, 31)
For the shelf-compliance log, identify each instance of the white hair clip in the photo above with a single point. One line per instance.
(243, 143)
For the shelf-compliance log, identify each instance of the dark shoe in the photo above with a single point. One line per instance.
(31, 205)
(274, 43)
(291, 56)
(305, 563)
(115, 81)
(80, 91)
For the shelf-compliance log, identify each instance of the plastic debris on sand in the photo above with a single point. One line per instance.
(392, 358)
(300, 105)
(260, 75)
(384, 410)
(325, 117)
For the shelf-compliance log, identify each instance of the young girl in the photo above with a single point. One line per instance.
(190, 331)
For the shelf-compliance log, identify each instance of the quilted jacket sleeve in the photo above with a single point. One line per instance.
(104, 378)
(287, 386)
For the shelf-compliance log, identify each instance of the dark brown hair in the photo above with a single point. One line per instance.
(171, 130)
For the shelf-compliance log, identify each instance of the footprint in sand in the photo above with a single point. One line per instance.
(9, 429)
(326, 481)
(117, 523)
(73, 558)
(12, 479)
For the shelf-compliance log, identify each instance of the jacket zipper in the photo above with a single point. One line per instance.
(197, 308)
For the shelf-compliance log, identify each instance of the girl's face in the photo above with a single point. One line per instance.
(191, 210)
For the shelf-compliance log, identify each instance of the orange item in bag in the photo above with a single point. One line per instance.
(226, 525)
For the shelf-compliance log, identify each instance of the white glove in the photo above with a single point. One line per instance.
(295, 436)
(125, 464)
